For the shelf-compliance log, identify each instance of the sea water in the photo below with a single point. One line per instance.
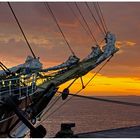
(90, 115)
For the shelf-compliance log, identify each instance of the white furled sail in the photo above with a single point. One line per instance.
(72, 60)
(109, 48)
(29, 65)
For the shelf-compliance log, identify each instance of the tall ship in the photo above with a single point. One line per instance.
(27, 90)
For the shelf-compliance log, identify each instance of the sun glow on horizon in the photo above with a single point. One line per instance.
(108, 86)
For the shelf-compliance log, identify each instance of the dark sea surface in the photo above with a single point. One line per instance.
(90, 115)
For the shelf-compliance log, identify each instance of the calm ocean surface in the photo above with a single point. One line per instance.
(90, 115)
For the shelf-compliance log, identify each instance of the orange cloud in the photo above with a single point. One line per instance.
(129, 43)
(125, 44)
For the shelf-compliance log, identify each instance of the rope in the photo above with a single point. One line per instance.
(102, 16)
(3, 68)
(95, 19)
(107, 100)
(51, 104)
(44, 112)
(86, 23)
(97, 11)
(79, 20)
(83, 86)
(7, 118)
(21, 29)
(72, 83)
(99, 70)
(54, 18)
(76, 92)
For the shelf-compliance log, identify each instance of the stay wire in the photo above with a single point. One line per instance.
(4, 67)
(71, 83)
(94, 18)
(97, 11)
(94, 39)
(108, 100)
(17, 21)
(51, 105)
(99, 70)
(99, 16)
(79, 20)
(77, 91)
(54, 18)
(102, 16)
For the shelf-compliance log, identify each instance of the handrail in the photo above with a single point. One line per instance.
(21, 86)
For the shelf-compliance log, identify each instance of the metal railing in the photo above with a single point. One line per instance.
(18, 86)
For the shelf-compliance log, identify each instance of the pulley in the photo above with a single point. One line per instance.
(65, 93)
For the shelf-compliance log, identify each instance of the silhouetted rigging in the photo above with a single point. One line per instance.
(79, 20)
(17, 21)
(104, 33)
(54, 18)
(94, 39)
(100, 16)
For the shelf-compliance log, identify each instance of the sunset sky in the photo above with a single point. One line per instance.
(121, 76)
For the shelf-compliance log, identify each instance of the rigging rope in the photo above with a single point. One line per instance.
(100, 18)
(104, 33)
(107, 100)
(86, 23)
(5, 69)
(54, 18)
(98, 70)
(78, 20)
(6, 119)
(21, 29)
(72, 83)
(51, 105)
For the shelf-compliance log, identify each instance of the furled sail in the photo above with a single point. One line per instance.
(31, 64)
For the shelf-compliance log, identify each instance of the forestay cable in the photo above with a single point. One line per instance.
(79, 20)
(100, 18)
(104, 33)
(42, 113)
(21, 29)
(86, 23)
(54, 18)
(107, 100)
